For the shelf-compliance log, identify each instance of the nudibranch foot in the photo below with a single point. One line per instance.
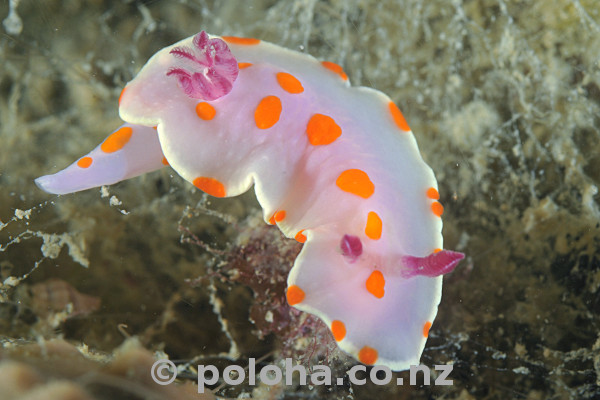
(435, 264)
(129, 151)
(212, 69)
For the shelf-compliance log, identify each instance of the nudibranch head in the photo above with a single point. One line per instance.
(205, 71)
(436, 264)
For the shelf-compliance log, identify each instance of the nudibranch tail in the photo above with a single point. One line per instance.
(129, 151)
(207, 70)
(435, 264)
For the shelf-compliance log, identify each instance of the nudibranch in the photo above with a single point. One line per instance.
(335, 167)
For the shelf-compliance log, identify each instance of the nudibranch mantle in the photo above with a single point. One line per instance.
(333, 166)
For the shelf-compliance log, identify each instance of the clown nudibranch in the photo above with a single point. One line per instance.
(335, 167)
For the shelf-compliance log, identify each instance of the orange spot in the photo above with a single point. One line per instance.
(426, 328)
(205, 111)
(335, 68)
(437, 208)
(432, 193)
(122, 93)
(164, 161)
(244, 65)
(357, 182)
(300, 237)
(437, 250)
(117, 140)
(155, 128)
(84, 162)
(210, 186)
(338, 329)
(398, 117)
(279, 216)
(294, 295)
(367, 355)
(375, 284)
(240, 40)
(373, 228)
(267, 112)
(289, 83)
(322, 129)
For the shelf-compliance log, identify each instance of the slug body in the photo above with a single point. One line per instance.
(335, 167)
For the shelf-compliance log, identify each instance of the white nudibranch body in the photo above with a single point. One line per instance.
(335, 167)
